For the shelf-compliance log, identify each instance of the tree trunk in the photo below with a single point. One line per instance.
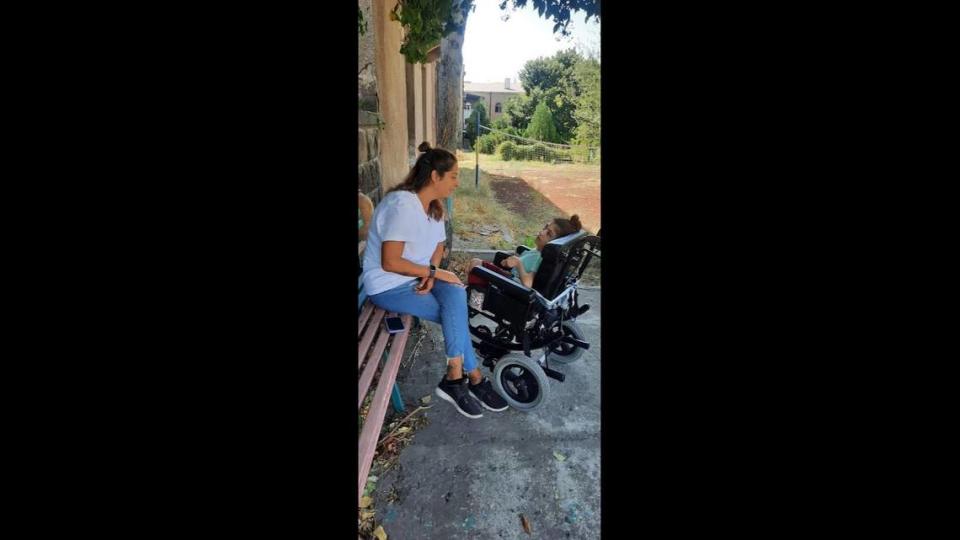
(450, 91)
(450, 108)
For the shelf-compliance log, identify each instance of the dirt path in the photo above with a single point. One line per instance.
(571, 192)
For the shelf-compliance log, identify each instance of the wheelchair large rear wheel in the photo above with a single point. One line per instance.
(521, 382)
(562, 352)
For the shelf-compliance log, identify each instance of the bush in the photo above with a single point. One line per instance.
(541, 152)
(521, 152)
(487, 144)
(507, 150)
(542, 126)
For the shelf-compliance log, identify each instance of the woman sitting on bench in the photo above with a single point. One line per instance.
(405, 242)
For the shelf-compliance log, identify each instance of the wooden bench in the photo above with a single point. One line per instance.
(375, 355)
(378, 351)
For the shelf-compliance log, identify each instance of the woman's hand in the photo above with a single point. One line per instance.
(425, 285)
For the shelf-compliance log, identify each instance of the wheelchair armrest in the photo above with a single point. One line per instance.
(506, 285)
(521, 249)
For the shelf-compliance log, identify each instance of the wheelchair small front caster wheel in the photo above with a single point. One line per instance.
(521, 382)
(562, 352)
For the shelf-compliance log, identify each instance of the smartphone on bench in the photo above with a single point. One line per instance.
(394, 324)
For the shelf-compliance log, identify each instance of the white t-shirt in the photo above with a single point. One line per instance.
(399, 217)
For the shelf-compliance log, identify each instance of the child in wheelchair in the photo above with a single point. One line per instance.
(522, 268)
(534, 307)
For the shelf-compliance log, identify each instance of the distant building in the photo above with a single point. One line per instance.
(494, 97)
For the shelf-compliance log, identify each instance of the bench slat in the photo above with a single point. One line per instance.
(396, 349)
(378, 407)
(364, 315)
(368, 335)
(400, 342)
(372, 364)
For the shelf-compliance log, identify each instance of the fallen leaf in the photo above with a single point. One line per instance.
(378, 532)
(425, 399)
(559, 456)
(526, 524)
(404, 429)
(365, 502)
(366, 515)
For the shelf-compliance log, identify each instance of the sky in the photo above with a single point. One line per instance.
(494, 49)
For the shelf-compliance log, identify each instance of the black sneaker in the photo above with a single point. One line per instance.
(456, 393)
(488, 397)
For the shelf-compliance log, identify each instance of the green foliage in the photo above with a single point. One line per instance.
(559, 11)
(520, 110)
(521, 152)
(536, 152)
(426, 22)
(587, 113)
(506, 150)
(487, 144)
(479, 112)
(362, 24)
(542, 127)
(502, 122)
(554, 81)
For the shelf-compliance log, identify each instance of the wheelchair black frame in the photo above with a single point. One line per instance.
(492, 349)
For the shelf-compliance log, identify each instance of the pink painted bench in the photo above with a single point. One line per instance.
(374, 355)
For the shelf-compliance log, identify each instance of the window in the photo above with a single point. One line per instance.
(466, 106)
(496, 108)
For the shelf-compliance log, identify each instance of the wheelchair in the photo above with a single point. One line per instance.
(522, 319)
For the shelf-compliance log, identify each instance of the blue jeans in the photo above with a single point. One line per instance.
(445, 304)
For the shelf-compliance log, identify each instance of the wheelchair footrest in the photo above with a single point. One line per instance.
(554, 374)
(574, 341)
(489, 352)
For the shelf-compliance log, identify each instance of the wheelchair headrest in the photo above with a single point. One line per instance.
(560, 258)
(561, 245)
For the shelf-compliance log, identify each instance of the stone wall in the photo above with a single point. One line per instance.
(369, 169)
(370, 122)
(366, 61)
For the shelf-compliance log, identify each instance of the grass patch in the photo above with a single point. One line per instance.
(493, 162)
(476, 210)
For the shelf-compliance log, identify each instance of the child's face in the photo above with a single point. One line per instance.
(548, 233)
